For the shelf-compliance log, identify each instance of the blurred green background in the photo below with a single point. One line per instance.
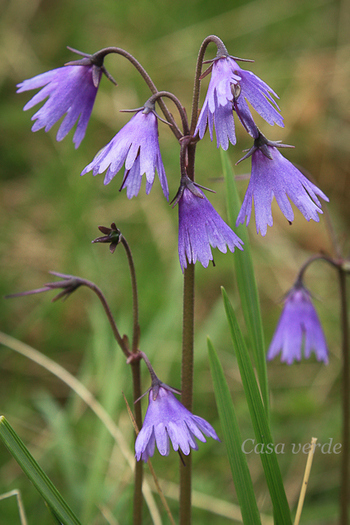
(49, 215)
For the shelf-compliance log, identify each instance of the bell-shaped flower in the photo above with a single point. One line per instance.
(229, 88)
(70, 90)
(298, 329)
(201, 227)
(167, 418)
(137, 146)
(272, 176)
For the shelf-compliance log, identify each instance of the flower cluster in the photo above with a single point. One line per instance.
(71, 91)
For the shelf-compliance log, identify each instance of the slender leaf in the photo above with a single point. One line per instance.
(37, 476)
(233, 441)
(259, 419)
(246, 280)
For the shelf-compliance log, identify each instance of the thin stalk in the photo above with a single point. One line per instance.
(135, 303)
(70, 284)
(157, 96)
(138, 472)
(120, 340)
(136, 381)
(187, 162)
(345, 471)
(119, 51)
(344, 325)
(197, 80)
(187, 388)
(314, 258)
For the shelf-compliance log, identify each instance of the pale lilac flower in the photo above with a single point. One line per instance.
(229, 88)
(167, 418)
(274, 176)
(137, 146)
(71, 91)
(298, 328)
(201, 227)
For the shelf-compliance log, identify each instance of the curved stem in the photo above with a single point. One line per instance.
(196, 89)
(119, 51)
(345, 468)
(122, 341)
(314, 258)
(157, 96)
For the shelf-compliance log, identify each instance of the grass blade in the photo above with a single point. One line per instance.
(37, 476)
(259, 420)
(233, 441)
(246, 280)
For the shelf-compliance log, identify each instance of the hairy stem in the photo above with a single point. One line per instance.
(345, 470)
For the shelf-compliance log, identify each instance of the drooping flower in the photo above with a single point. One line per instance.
(298, 328)
(71, 90)
(68, 285)
(201, 227)
(137, 146)
(167, 418)
(274, 176)
(229, 88)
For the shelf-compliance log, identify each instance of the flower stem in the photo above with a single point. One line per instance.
(187, 163)
(138, 472)
(135, 304)
(329, 260)
(187, 388)
(345, 471)
(119, 51)
(344, 326)
(136, 380)
(120, 340)
(157, 96)
(196, 90)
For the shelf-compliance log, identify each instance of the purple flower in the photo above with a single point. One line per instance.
(137, 146)
(167, 418)
(274, 176)
(200, 227)
(70, 90)
(229, 88)
(299, 326)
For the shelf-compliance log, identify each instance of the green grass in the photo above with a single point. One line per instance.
(49, 215)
